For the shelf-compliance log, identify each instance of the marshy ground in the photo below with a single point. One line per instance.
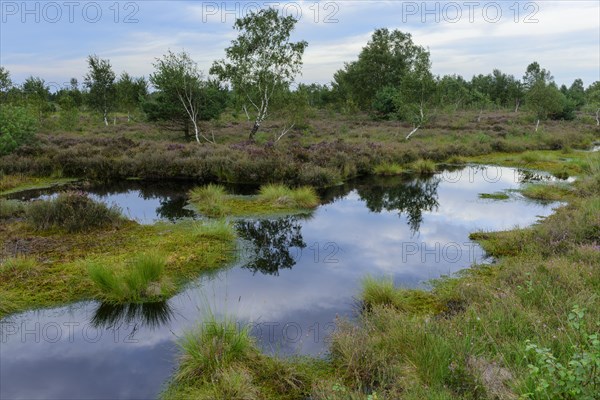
(525, 325)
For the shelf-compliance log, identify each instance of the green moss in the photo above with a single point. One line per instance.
(553, 162)
(423, 167)
(62, 260)
(18, 183)
(381, 292)
(388, 169)
(494, 196)
(213, 201)
(547, 192)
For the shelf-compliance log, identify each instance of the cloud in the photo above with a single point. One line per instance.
(566, 38)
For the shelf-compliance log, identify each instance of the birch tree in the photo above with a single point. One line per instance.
(261, 61)
(178, 75)
(100, 81)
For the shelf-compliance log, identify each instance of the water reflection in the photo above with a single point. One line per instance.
(145, 315)
(275, 244)
(410, 198)
(88, 351)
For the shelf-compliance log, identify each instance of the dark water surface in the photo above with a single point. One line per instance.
(293, 276)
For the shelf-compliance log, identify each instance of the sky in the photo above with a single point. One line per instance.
(51, 39)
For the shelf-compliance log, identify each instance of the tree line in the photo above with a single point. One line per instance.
(390, 79)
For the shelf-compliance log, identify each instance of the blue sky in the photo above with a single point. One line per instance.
(52, 39)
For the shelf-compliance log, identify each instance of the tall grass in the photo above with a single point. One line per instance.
(18, 267)
(11, 208)
(388, 169)
(212, 346)
(423, 166)
(217, 230)
(211, 200)
(281, 196)
(143, 281)
(72, 212)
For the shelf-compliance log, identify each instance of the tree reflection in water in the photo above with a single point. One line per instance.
(150, 315)
(275, 244)
(411, 198)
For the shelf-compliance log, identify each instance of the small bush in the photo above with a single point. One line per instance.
(73, 212)
(576, 379)
(17, 127)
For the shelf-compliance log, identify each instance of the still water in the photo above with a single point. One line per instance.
(292, 277)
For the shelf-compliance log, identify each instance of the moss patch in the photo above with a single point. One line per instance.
(214, 201)
(18, 183)
(60, 274)
(494, 196)
(556, 162)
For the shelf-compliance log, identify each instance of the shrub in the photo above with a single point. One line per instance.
(17, 127)
(73, 212)
(578, 378)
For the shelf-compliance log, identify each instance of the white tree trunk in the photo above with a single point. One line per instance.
(518, 103)
(598, 117)
(412, 132)
(128, 116)
(537, 125)
(196, 131)
(283, 133)
(479, 116)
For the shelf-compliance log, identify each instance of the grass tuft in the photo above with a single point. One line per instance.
(142, 282)
(279, 196)
(423, 167)
(388, 169)
(213, 346)
(210, 200)
(217, 230)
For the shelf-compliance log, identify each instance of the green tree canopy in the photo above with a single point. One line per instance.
(100, 81)
(261, 61)
(387, 59)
